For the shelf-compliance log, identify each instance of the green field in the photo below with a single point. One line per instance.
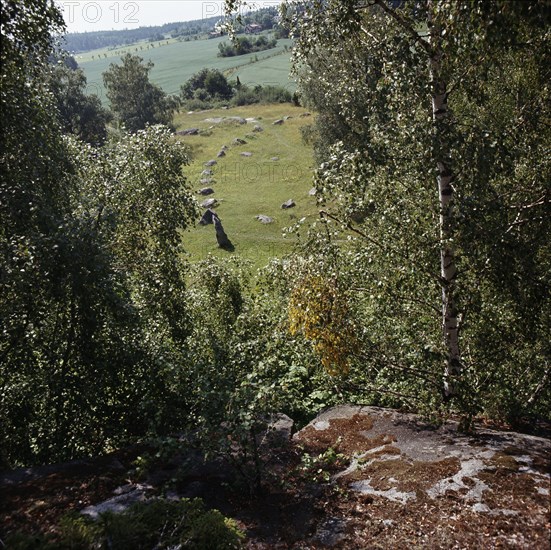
(246, 187)
(175, 62)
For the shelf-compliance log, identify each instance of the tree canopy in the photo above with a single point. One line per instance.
(134, 99)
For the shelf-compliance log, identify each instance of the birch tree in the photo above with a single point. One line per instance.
(403, 175)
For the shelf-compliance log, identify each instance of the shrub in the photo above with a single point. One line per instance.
(159, 524)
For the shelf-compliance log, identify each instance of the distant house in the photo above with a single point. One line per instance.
(254, 28)
(215, 34)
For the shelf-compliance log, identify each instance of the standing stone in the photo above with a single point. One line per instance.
(221, 237)
(206, 218)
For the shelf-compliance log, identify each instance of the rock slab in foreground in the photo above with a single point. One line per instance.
(399, 458)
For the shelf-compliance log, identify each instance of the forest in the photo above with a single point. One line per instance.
(424, 284)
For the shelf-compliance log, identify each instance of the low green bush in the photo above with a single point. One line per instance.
(158, 524)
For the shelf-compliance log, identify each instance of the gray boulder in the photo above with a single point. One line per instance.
(206, 181)
(275, 159)
(239, 141)
(126, 496)
(258, 128)
(278, 122)
(313, 192)
(207, 173)
(209, 203)
(264, 219)
(279, 430)
(188, 132)
(210, 163)
(206, 191)
(246, 154)
(221, 154)
(289, 204)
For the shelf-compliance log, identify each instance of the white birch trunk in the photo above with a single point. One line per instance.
(445, 179)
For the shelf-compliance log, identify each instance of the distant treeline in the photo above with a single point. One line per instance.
(267, 18)
(246, 45)
(81, 42)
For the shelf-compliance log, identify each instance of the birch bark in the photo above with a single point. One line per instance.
(445, 179)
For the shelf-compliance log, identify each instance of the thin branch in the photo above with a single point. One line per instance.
(406, 25)
(423, 374)
(350, 227)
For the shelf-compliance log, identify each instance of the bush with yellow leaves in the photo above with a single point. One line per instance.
(318, 310)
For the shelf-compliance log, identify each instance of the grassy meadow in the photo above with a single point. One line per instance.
(249, 186)
(175, 62)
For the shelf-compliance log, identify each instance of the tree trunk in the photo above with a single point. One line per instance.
(445, 178)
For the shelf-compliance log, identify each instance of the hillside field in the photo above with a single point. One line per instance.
(175, 62)
(249, 186)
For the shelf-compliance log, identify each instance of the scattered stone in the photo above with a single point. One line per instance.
(206, 218)
(224, 148)
(206, 181)
(278, 431)
(287, 117)
(289, 204)
(188, 132)
(258, 128)
(209, 203)
(278, 122)
(126, 496)
(207, 173)
(331, 532)
(275, 159)
(246, 154)
(221, 154)
(480, 508)
(239, 141)
(226, 120)
(210, 163)
(206, 191)
(313, 192)
(302, 115)
(264, 219)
